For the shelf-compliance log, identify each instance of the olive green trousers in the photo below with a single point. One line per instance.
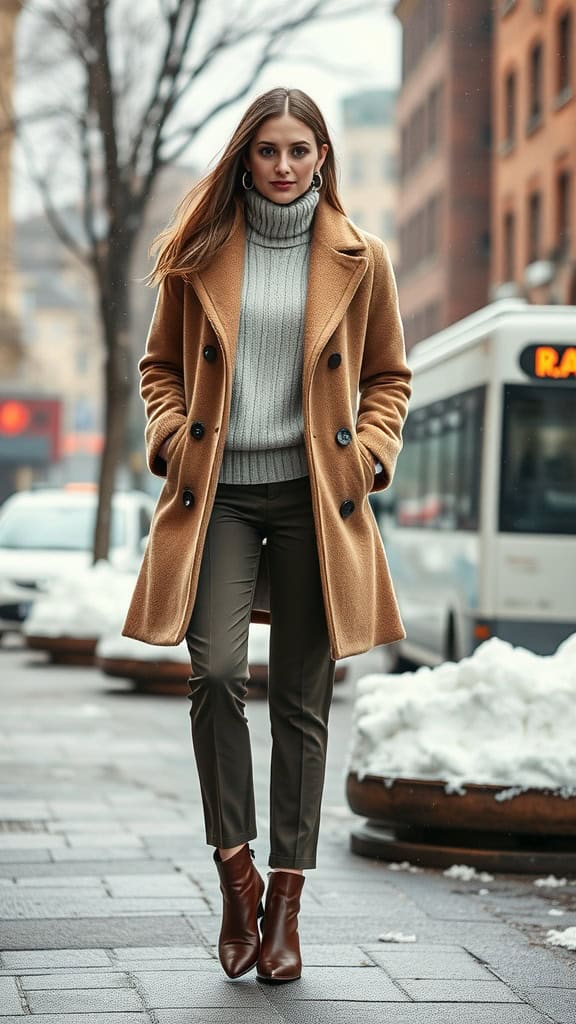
(300, 671)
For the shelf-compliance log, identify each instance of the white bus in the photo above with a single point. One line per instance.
(479, 525)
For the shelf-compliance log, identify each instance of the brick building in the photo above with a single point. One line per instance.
(534, 117)
(443, 117)
(369, 161)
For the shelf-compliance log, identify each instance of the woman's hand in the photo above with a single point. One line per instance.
(163, 449)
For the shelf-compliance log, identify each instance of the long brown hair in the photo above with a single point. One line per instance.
(202, 221)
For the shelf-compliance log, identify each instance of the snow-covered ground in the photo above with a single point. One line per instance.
(503, 716)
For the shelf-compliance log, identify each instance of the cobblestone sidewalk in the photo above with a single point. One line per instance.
(109, 900)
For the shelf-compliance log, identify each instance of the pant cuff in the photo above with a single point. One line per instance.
(227, 841)
(290, 862)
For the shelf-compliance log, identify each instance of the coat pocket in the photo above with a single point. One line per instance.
(367, 463)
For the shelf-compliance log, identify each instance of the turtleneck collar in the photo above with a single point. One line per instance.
(279, 224)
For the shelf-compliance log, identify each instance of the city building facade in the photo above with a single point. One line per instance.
(443, 120)
(369, 162)
(534, 151)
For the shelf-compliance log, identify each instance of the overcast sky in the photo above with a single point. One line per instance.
(365, 50)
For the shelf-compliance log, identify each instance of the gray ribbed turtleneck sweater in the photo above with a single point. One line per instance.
(265, 440)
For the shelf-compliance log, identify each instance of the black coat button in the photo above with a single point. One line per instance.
(334, 360)
(187, 498)
(197, 430)
(210, 353)
(343, 436)
(346, 508)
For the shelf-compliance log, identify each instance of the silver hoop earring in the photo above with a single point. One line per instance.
(251, 185)
(317, 181)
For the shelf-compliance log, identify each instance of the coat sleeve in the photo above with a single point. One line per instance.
(385, 375)
(161, 372)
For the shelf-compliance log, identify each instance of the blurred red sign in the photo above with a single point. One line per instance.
(30, 429)
(14, 417)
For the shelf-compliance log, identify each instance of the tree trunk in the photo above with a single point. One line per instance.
(118, 371)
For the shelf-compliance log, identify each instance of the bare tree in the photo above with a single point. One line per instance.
(128, 88)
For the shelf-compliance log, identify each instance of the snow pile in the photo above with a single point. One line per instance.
(467, 874)
(566, 938)
(113, 646)
(550, 882)
(92, 602)
(396, 937)
(503, 716)
(403, 865)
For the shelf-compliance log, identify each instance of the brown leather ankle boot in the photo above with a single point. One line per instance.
(242, 888)
(280, 958)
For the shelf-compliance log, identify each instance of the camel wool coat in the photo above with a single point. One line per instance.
(355, 392)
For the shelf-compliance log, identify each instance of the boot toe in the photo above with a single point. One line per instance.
(237, 962)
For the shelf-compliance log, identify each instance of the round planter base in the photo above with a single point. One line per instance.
(166, 678)
(170, 679)
(65, 650)
(519, 854)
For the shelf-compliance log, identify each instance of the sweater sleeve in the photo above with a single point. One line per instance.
(161, 372)
(385, 375)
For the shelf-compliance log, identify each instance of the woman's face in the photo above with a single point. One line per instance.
(283, 157)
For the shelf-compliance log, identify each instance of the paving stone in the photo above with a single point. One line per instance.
(432, 965)
(192, 989)
(86, 1000)
(27, 959)
(20, 856)
(205, 1015)
(401, 1013)
(10, 1001)
(59, 884)
(20, 905)
(86, 1018)
(99, 853)
(354, 983)
(77, 979)
(157, 886)
(99, 869)
(160, 953)
(460, 991)
(96, 932)
(334, 956)
(560, 1003)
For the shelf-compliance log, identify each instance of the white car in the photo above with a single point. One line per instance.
(47, 534)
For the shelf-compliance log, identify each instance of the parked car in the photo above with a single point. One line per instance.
(47, 534)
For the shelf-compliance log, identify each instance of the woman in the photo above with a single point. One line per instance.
(274, 315)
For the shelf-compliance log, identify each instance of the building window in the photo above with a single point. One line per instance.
(434, 117)
(387, 224)
(389, 165)
(509, 246)
(510, 108)
(356, 168)
(534, 226)
(563, 191)
(535, 80)
(564, 45)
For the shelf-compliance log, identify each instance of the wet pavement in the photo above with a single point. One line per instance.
(109, 899)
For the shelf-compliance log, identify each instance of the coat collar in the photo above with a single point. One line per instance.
(337, 265)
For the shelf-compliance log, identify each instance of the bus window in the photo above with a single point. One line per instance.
(432, 496)
(470, 450)
(538, 471)
(407, 482)
(451, 429)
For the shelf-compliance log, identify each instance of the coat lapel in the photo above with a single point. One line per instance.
(219, 287)
(336, 268)
(333, 277)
